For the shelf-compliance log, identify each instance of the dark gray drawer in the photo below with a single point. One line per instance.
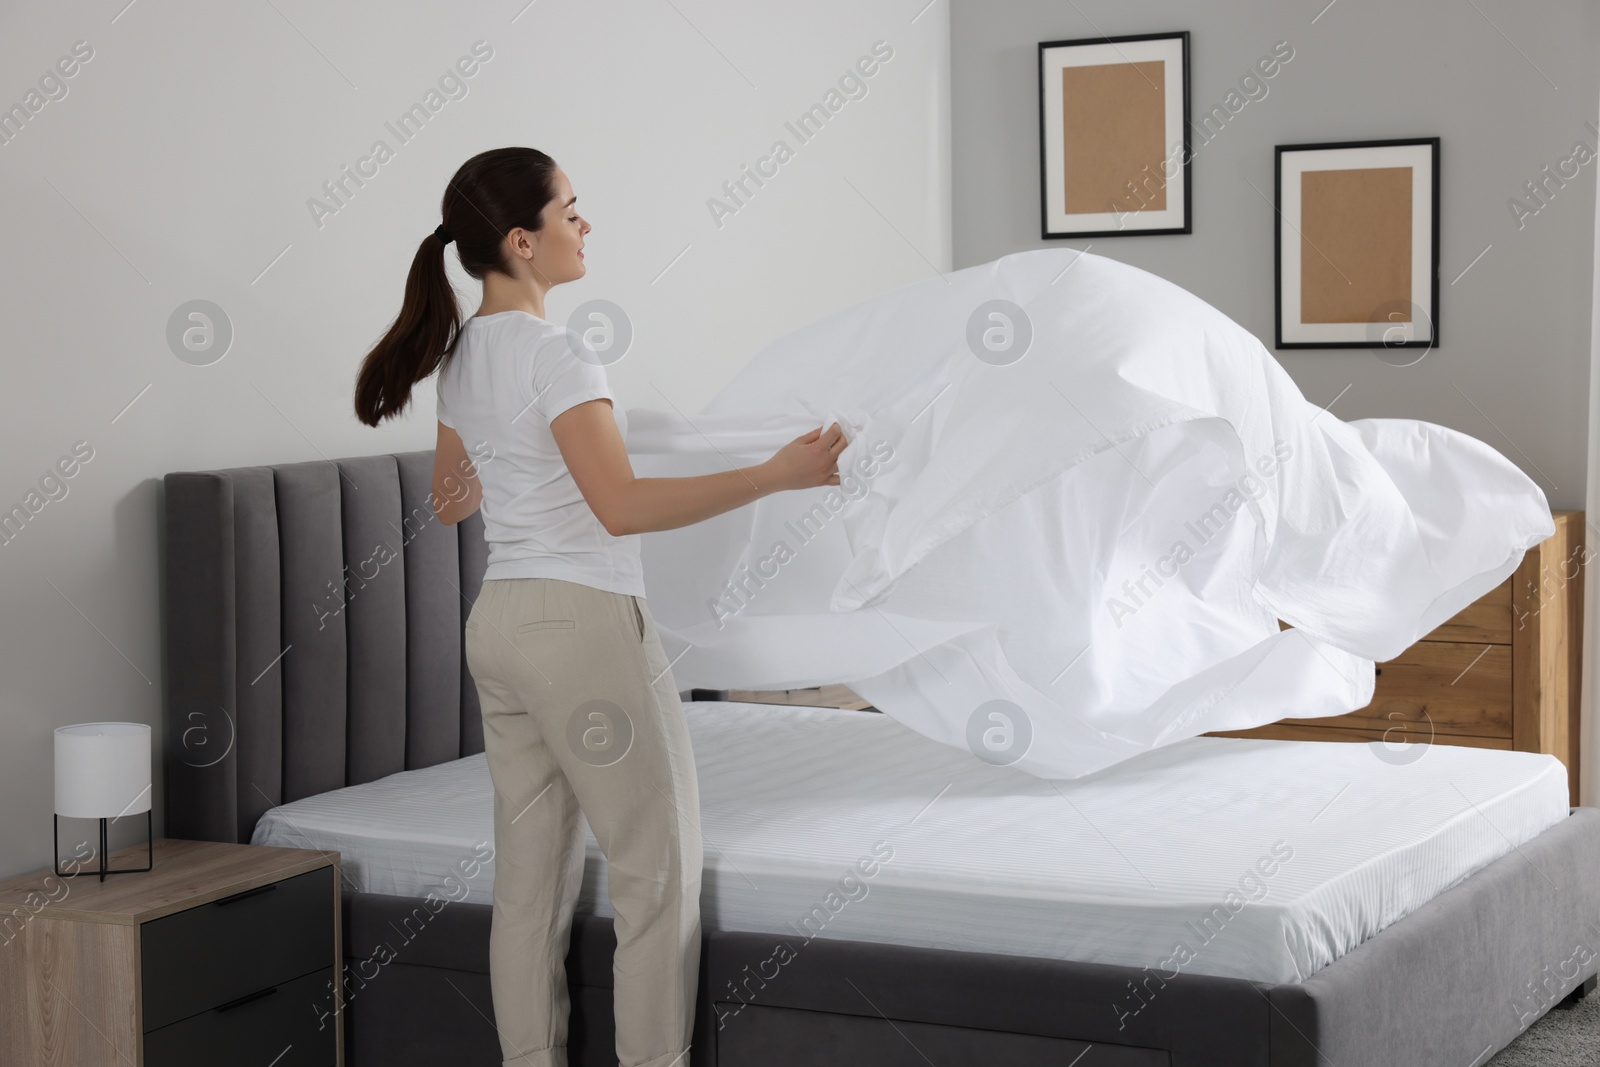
(289, 1025)
(219, 952)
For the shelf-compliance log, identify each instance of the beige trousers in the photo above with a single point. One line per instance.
(581, 715)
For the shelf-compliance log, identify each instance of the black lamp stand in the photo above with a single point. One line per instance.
(149, 834)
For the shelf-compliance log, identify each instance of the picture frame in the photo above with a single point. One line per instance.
(1114, 148)
(1356, 244)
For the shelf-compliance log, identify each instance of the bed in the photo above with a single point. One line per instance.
(1335, 908)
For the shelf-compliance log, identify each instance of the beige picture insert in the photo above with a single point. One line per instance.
(1355, 245)
(1114, 122)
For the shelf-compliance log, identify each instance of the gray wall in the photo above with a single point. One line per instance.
(1507, 87)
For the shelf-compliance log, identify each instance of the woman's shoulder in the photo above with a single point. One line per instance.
(552, 347)
(532, 348)
(527, 333)
(514, 323)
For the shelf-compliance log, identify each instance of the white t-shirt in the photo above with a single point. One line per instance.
(511, 374)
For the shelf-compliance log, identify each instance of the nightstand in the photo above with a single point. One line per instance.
(224, 955)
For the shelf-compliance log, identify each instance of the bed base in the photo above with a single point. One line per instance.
(1450, 984)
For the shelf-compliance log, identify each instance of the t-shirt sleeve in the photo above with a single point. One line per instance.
(561, 379)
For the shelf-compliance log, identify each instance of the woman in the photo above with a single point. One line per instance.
(580, 710)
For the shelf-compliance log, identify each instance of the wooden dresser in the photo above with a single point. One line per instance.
(1504, 673)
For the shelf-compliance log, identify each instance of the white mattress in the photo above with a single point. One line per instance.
(1254, 859)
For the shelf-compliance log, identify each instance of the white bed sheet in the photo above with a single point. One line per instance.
(1254, 859)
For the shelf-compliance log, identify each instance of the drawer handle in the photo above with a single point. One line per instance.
(247, 894)
(242, 1001)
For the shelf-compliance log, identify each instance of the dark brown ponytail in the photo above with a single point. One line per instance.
(493, 193)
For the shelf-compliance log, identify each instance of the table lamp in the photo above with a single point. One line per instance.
(103, 772)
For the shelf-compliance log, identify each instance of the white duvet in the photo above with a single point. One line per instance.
(1061, 560)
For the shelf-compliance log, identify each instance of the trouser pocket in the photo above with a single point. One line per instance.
(638, 616)
(546, 624)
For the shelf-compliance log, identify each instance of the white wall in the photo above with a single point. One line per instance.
(178, 166)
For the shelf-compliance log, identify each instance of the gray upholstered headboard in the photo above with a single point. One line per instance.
(314, 616)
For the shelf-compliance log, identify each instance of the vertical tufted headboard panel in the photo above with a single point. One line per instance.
(313, 616)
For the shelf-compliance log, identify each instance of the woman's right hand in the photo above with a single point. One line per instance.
(809, 460)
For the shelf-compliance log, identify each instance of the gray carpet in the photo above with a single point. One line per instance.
(1565, 1037)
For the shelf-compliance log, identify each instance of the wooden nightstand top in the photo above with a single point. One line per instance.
(186, 874)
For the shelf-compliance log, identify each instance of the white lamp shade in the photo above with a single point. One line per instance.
(102, 770)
